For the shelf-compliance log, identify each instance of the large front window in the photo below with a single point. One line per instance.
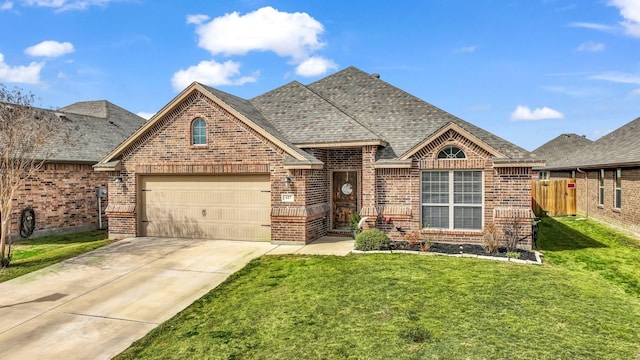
(452, 200)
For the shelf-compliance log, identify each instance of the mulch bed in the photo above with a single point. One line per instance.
(472, 249)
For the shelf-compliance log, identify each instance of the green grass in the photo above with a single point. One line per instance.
(33, 254)
(590, 247)
(419, 307)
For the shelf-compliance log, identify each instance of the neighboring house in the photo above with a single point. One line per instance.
(557, 151)
(293, 164)
(607, 175)
(63, 194)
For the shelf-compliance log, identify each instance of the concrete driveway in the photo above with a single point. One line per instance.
(95, 305)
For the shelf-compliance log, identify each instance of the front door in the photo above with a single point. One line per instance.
(344, 197)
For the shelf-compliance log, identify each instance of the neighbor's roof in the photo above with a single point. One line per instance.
(559, 150)
(617, 149)
(94, 129)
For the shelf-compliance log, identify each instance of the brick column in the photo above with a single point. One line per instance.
(369, 200)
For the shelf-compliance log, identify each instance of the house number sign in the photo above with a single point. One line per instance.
(287, 197)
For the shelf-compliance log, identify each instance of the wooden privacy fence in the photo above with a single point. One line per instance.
(554, 197)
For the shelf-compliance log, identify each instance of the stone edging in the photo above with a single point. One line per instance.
(517, 261)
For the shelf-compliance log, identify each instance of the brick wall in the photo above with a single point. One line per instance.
(587, 202)
(507, 192)
(232, 148)
(63, 197)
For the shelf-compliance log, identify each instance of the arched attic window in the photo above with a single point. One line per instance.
(451, 152)
(198, 132)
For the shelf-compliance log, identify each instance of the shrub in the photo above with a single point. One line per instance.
(372, 239)
(354, 222)
(490, 239)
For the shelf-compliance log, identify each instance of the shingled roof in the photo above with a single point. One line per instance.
(95, 128)
(353, 105)
(560, 150)
(619, 148)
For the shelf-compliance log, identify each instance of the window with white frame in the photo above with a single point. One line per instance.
(618, 199)
(452, 199)
(601, 187)
(451, 152)
(544, 175)
(198, 132)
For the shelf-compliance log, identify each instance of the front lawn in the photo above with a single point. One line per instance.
(33, 254)
(409, 307)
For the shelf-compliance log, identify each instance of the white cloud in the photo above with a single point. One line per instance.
(294, 35)
(617, 77)
(145, 115)
(211, 73)
(65, 5)
(466, 50)
(50, 48)
(29, 74)
(197, 19)
(635, 92)
(590, 46)
(315, 66)
(524, 113)
(593, 26)
(7, 5)
(630, 11)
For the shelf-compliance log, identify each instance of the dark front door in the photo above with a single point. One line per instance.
(344, 197)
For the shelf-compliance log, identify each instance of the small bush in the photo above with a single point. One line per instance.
(372, 239)
(490, 239)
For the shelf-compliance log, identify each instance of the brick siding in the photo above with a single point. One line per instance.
(587, 190)
(63, 197)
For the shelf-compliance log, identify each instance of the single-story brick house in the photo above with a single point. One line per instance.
(293, 164)
(63, 194)
(607, 173)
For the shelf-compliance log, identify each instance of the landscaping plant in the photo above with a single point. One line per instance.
(372, 239)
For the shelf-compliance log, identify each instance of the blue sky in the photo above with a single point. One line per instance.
(526, 70)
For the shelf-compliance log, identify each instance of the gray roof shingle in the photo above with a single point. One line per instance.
(618, 148)
(95, 128)
(352, 105)
(305, 118)
(247, 109)
(560, 149)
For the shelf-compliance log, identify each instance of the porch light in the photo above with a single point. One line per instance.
(287, 180)
(118, 180)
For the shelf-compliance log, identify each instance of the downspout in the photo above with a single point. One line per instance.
(586, 180)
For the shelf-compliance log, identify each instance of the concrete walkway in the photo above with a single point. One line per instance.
(95, 305)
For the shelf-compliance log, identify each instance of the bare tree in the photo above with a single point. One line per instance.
(28, 138)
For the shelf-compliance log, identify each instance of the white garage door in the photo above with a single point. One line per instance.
(206, 207)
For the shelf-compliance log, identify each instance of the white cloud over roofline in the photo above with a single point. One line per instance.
(524, 113)
(29, 74)
(211, 73)
(315, 66)
(295, 36)
(7, 5)
(50, 48)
